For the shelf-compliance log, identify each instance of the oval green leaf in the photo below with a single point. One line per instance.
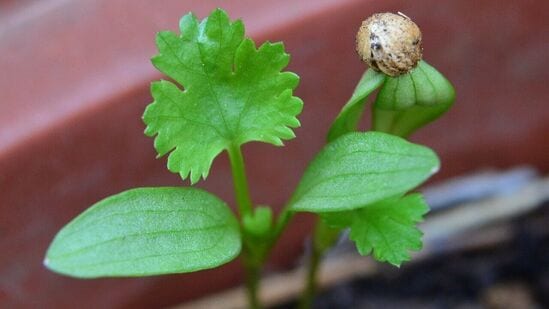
(362, 168)
(147, 231)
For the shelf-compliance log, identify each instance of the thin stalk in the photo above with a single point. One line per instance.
(253, 276)
(324, 237)
(252, 265)
(281, 223)
(307, 297)
(242, 193)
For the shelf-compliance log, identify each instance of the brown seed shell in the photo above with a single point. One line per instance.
(390, 43)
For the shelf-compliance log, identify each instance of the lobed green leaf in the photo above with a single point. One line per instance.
(362, 168)
(147, 231)
(387, 228)
(232, 93)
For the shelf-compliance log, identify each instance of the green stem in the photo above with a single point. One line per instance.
(253, 275)
(323, 238)
(281, 223)
(242, 193)
(307, 297)
(252, 264)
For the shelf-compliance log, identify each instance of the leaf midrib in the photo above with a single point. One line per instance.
(90, 265)
(114, 239)
(316, 184)
(214, 94)
(159, 211)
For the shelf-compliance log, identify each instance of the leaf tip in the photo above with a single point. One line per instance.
(218, 10)
(46, 262)
(194, 176)
(436, 165)
(183, 174)
(187, 20)
(396, 264)
(217, 16)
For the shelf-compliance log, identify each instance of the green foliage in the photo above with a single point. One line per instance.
(412, 100)
(147, 231)
(386, 227)
(349, 117)
(232, 93)
(362, 168)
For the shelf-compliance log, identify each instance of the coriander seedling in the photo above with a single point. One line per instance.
(227, 92)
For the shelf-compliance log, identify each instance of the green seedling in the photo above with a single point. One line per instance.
(225, 92)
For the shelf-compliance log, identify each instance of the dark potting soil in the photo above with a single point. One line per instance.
(511, 275)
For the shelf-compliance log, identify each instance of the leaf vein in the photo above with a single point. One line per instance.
(114, 239)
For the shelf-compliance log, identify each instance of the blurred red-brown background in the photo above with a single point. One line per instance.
(74, 79)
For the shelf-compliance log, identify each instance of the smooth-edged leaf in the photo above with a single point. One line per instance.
(147, 231)
(349, 117)
(362, 168)
(229, 93)
(412, 100)
(388, 227)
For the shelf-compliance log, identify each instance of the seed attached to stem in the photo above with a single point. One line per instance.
(390, 43)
